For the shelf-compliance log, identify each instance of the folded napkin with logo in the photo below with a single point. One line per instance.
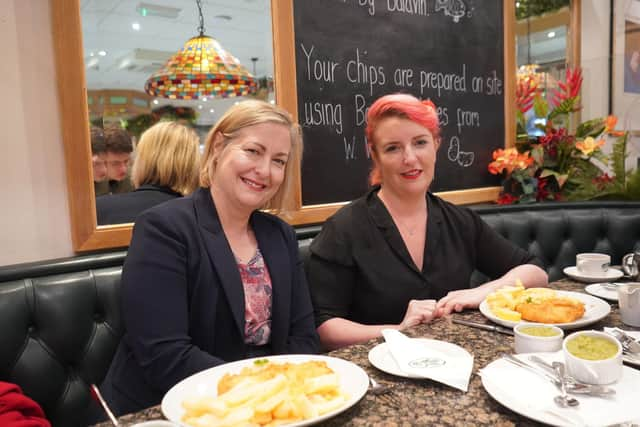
(415, 358)
(18, 410)
(532, 395)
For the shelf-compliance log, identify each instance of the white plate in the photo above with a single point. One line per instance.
(505, 383)
(598, 290)
(594, 310)
(353, 381)
(381, 357)
(607, 276)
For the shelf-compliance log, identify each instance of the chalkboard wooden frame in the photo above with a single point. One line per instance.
(286, 93)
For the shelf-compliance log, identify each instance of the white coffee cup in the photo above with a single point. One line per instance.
(592, 264)
(629, 303)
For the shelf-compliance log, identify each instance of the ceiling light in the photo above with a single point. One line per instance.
(147, 9)
(202, 68)
(199, 107)
(93, 63)
(204, 99)
(551, 34)
(136, 26)
(91, 54)
(155, 101)
(102, 53)
(211, 110)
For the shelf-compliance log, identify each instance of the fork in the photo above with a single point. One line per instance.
(629, 345)
(385, 392)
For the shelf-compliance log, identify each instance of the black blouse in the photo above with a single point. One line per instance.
(361, 270)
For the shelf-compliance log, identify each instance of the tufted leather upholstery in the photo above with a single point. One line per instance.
(58, 334)
(556, 232)
(60, 321)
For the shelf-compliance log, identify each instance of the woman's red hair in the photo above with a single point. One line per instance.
(404, 106)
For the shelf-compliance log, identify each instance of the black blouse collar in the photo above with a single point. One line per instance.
(382, 218)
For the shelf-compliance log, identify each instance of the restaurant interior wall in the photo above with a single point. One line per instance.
(35, 222)
(34, 214)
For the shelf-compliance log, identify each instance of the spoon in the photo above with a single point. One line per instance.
(563, 400)
(573, 386)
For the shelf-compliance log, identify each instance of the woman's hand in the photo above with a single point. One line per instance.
(459, 300)
(418, 311)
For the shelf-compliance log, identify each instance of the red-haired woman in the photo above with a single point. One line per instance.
(400, 256)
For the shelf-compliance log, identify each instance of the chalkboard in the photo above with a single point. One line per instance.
(350, 52)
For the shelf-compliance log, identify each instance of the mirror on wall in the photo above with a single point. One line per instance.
(542, 42)
(126, 41)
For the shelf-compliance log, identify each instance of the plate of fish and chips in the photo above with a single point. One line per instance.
(287, 390)
(511, 305)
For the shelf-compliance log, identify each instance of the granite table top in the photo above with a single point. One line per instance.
(425, 402)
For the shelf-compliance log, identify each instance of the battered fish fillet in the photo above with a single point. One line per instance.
(554, 310)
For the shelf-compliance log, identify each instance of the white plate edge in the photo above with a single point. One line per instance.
(235, 367)
(571, 271)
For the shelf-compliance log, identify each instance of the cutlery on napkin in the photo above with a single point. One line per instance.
(415, 358)
(538, 394)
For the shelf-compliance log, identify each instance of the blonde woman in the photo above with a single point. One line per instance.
(210, 278)
(166, 167)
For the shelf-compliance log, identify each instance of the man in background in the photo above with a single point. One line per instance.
(118, 156)
(98, 157)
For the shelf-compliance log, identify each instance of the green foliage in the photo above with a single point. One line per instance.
(540, 107)
(593, 128)
(618, 157)
(538, 7)
(564, 108)
(142, 122)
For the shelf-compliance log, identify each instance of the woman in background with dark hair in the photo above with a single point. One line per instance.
(400, 256)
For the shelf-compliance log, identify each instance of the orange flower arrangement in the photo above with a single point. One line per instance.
(558, 165)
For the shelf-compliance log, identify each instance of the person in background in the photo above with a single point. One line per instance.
(118, 157)
(98, 156)
(166, 167)
(210, 278)
(400, 256)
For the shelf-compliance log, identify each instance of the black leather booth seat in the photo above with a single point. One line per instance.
(60, 320)
(58, 334)
(556, 232)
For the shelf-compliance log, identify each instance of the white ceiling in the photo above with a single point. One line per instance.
(133, 55)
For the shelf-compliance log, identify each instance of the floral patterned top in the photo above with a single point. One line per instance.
(257, 300)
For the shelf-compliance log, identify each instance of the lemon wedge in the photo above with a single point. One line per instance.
(506, 314)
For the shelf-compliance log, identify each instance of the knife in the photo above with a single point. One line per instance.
(484, 326)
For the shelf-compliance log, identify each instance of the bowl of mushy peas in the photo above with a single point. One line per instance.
(536, 338)
(593, 357)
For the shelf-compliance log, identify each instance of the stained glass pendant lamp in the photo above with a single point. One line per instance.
(202, 68)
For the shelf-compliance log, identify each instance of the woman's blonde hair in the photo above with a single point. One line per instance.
(168, 155)
(250, 113)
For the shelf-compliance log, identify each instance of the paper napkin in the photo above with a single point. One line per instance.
(417, 359)
(538, 395)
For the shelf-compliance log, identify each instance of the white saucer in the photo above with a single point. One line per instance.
(606, 276)
(380, 355)
(598, 290)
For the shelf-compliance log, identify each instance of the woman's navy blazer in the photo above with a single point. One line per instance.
(183, 300)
